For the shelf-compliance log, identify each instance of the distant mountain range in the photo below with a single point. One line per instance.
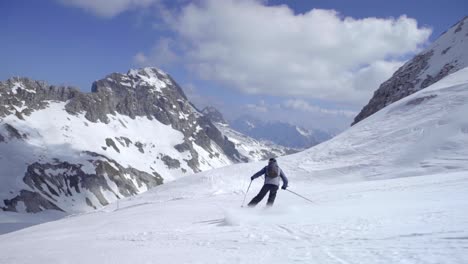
(280, 133)
(255, 149)
(71, 151)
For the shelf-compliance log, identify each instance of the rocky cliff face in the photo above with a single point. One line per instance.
(64, 186)
(214, 115)
(449, 53)
(67, 150)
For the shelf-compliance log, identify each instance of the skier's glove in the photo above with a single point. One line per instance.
(284, 187)
(252, 178)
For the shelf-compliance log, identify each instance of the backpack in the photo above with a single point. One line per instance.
(272, 170)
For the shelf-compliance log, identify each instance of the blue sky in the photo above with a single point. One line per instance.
(264, 58)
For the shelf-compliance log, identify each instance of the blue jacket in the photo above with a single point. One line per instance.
(274, 181)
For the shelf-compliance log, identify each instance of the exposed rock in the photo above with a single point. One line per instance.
(89, 203)
(446, 50)
(214, 134)
(111, 143)
(403, 83)
(170, 162)
(33, 202)
(419, 100)
(449, 53)
(139, 145)
(60, 181)
(20, 92)
(124, 141)
(13, 132)
(214, 115)
(460, 25)
(182, 147)
(446, 70)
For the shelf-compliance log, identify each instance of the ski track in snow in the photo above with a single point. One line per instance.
(392, 189)
(405, 220)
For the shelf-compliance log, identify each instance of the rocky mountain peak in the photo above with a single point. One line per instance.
(213, 114)
(147, 79)
(131, 132)
(149, 74)
(448, 54)
(146, 92)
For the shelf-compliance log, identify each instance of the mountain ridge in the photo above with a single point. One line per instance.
(446, 55)
(73, 151)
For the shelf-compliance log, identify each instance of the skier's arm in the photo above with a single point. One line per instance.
(284, 178)
(258, 174)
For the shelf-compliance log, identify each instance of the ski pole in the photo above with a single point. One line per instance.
(300, 195)
(246, 193)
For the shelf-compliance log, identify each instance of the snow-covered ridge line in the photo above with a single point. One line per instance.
(426, 131)
(448, 54)
(151, 77)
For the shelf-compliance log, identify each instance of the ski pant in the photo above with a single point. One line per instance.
(265, 189)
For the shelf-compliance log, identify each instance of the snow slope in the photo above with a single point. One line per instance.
(391, 189)
(408, 220)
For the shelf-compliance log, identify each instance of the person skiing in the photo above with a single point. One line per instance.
(273, 173)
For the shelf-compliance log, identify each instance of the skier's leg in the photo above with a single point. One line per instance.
(259, 196)
(272, 196)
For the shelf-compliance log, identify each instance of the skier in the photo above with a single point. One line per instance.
(272, 180)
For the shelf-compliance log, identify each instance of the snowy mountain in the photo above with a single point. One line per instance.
(448, 54)
(66, 150)
(390, 189)
(280, 133)
(253, 149)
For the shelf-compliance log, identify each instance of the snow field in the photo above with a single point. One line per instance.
(404, 220)
(391, 189)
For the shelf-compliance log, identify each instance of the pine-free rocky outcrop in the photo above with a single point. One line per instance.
(53, 183)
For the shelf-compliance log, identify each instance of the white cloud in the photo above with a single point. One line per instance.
(295, 111)
(261, 107)
(161, 54)
(201, 100)
(304, 106)
(108, 8)
(140, 58)
(261, 49)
